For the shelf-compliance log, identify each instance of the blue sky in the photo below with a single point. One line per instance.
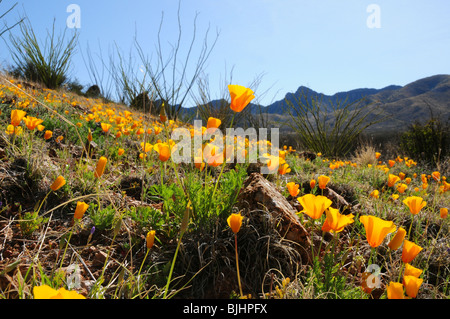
(326, 45)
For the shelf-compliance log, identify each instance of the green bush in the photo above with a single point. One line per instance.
(427, 142)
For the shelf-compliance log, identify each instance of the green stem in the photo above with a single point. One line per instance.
(172, 266)
(372, 253)
(67, 244)
(410, 227)
(237, 265)
(223, 164)
(142, 264)
(40, 206)
(400, 272)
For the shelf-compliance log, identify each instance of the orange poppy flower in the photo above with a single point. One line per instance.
(273, 162)
(283, 169)
(48, 134)
(375, 194)
(80, 210)
(415, 204)
(17, 116)
(100, 169)
(323, 181)
(163, 150)
(314, 206)
(213, 123)
(395, 290)
(235, 222)
(240, 97)
(412, 285)
(401, 188)
(148, 147)
(436, 176)
(376, 229)
(392, 179)
(58, 183)
(336, 221)
(32, 122)
(396, 242)
(199, 164)
(293, 188)
(410, 251)
(157, 129)
(105, 127)
(412, 271)
(443, 212)
(150, 239)
(212, 156)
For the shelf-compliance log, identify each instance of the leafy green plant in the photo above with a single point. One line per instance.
(102, 218)
(146, 217)
(31, 222)
(217, 206)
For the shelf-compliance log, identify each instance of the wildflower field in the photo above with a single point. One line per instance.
(93, 205)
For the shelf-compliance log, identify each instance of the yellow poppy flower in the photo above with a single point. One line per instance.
(47, 292)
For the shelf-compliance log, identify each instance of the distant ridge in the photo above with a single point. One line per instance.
(403, 105)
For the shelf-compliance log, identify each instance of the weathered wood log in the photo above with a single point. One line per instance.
(258, 193)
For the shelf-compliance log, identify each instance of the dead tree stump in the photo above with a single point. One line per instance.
(258, 193)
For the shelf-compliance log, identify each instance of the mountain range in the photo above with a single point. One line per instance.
(401, 105)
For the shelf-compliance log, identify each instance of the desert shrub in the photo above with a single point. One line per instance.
(365, 155)
(427, 142)
(330, 128)
(46, 63)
